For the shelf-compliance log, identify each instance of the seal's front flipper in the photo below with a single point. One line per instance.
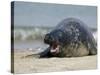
(45, 53)
(31, 56)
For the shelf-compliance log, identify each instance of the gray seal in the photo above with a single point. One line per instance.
(70, 38)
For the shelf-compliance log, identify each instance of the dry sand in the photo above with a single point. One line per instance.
(30, 64)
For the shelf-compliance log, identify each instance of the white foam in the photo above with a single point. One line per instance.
(95, 34)
(29, 34)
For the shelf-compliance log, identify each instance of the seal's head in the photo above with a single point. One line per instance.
(55, 39)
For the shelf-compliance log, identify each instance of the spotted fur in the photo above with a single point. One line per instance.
(75, 39)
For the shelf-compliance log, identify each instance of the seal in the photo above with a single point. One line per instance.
(70, 38)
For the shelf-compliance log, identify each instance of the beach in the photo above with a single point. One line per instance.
(26, 62)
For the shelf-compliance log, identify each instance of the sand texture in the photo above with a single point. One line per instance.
(26, 62)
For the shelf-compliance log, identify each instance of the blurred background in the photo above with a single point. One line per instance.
(33, 20)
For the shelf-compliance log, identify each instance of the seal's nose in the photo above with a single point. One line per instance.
(48, 39)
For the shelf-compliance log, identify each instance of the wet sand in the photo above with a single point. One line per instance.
(26, 62)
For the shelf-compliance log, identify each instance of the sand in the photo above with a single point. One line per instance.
(25, 62)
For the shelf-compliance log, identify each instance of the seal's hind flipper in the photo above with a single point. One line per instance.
(93, 51)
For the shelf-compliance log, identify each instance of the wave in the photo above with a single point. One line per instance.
(30, 33)
(36, 33)
(95, 34)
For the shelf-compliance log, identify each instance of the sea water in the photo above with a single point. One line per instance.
(32, 37)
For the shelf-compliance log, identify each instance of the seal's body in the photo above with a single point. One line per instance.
(71, 38)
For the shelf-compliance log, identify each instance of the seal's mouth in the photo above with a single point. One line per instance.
(53, 42)
(54, 48)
